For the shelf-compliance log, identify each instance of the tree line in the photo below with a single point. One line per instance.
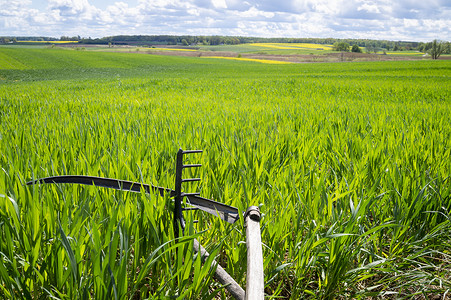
(434, 48)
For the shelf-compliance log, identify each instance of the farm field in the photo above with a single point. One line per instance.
(350, 164)
(300, 48)
(286, 52)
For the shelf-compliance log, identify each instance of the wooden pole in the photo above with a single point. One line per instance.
(221, 275)
(255, 286)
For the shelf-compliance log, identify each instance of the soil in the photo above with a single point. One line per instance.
(328, 57)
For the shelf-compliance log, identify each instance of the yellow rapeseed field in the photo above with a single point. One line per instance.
(292, 46)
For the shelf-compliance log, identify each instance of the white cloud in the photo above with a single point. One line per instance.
(219, 3)
(381, 19)
(13, 6)
(255, 13)
(371, 8)
(73, 8)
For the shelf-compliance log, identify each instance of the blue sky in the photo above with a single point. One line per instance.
(410, 20)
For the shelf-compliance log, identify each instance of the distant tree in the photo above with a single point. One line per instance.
(421, 47)
(356, 49)
(185, 42)
(341, 46)
(171, 40)
(396, 48)
(447, 48)
(215, 40)
(369, 49)
(437, 49)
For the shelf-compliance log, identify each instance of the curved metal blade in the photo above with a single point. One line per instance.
(111, 183)
(225, 212)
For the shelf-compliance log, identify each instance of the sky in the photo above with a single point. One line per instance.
(396, 20)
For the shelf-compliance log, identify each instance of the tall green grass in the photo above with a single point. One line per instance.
(351, 172)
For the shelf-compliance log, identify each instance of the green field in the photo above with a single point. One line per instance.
(349, 162)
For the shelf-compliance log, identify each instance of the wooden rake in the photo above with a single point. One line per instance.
(227, 213)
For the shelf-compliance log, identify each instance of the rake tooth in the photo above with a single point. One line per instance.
(192, 166)
(191, 179)
(192, 151)
(190, 208)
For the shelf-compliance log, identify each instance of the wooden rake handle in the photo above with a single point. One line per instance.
(221, 275)
(255, 285)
